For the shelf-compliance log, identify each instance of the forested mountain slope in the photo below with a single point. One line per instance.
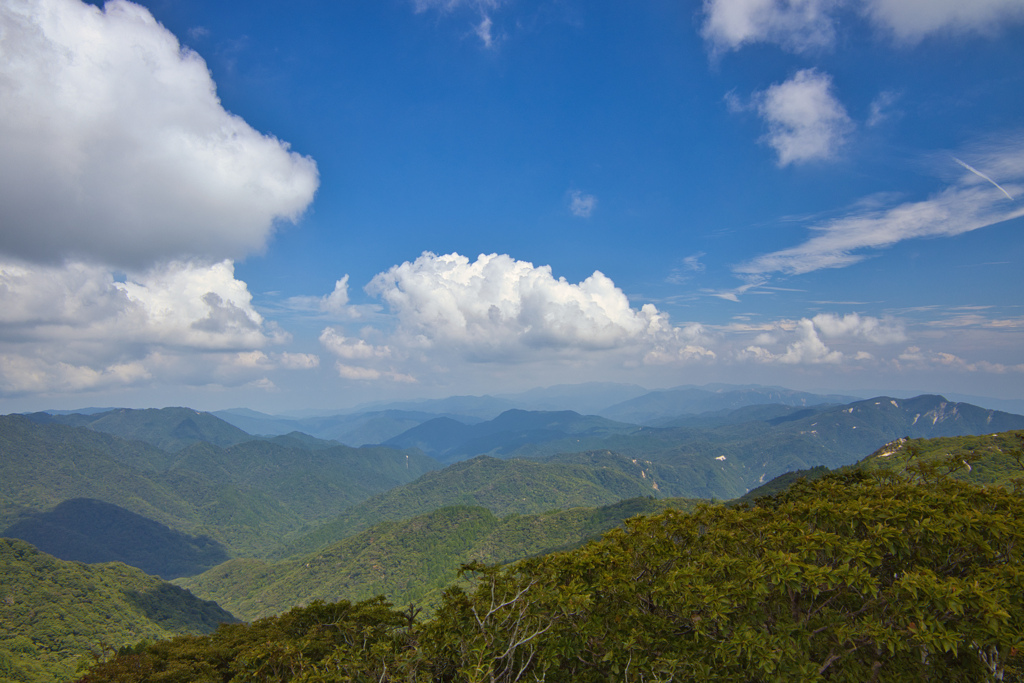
(408, 560)
(169, 429)
(249, 497)
(502, 486)
(55, 615)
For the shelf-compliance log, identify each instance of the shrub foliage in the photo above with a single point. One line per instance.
(854, 577)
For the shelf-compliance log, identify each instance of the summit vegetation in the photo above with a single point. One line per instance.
(851, 577)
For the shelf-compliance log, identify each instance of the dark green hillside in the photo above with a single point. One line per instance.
(502, 486)
(248, 497)
(435, 437)
(687, 477)
(91, 531)
(169, 429)
(301, 440)
(312, 484)
(408, 561)
(43, 465)
(56, 614)
(521, 536)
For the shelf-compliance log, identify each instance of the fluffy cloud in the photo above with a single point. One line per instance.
(971, 203)
(351, 349)
(794, 24)
(912, 20)
(75, 327)
(114, 147)
(799, 25)
(497, 306)
(805, 120)
(177, 304)
(446, 310)
(853, 325)
(802, 342)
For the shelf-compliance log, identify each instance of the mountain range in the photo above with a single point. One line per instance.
(261, 522)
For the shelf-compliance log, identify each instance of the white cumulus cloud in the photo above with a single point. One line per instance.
(875, 330)
(496, 306)
(444, 311)
(805, 120)
(802, 342)
(351, 349)
(75, 327)
(115, 148)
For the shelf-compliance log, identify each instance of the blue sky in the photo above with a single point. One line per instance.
(316, 204)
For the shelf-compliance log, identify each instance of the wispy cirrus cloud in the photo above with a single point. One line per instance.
(484, 8)
(969, 204)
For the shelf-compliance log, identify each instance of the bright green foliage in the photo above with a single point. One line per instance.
(502, 486)
(407, 561)
(367, 641)
(848, 578)
(56, 614)
(990, 459)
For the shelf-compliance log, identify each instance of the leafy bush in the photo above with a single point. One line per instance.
(852, 577)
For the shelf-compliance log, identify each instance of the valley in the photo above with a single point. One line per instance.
(260, 520)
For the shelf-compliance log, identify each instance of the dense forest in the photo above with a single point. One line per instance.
(56, 616)
(850, 577)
